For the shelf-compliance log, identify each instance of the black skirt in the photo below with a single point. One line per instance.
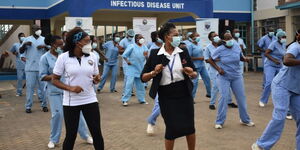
(177, 109)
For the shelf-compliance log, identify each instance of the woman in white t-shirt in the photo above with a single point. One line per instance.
(80, 69)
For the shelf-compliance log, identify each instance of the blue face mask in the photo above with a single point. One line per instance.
(129, 38)
(176, 41)
(197, 39)
(271, 34)
(229, 43)
(159, 40)
(117, 39)
(58, 50)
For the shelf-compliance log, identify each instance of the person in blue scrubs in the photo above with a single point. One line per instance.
(55, 95)
(236, 36)
(111, 49)
(196, 53)
(124, 43)
(263, 44)
(20, 65)
(32, 48)
(230, 76)
(209, 50)
(135, 56)
(285, 95)
(273, 64)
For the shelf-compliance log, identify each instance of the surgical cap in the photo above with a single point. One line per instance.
(130, 32)
(280, 34)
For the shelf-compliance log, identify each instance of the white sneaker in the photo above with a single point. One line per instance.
(125, 104)
(144, 103)
(89, 140)
(255, 147)
(250, 124)
(289, 117)
(261, 104)
(150, 129)
(218, 126)
(51, 145)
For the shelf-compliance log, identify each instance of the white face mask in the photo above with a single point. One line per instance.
(38, 32)
(94, 45)
(86, 49)
(22, 39)
(142, 41)
(217, 39)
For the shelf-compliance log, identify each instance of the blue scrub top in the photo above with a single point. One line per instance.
(19, 63)
(288, 77)
(209, 50)
(32, 54)
(111, 53)
(196, 51)
(153, 46)
(265, 41)
(135, 55)
(125, 43)
(229, 60)
(278, 51)
(47, 64)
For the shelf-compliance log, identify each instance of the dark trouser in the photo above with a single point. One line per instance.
(92, 116)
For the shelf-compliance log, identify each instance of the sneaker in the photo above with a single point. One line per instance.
(114, 91)
(255, 147)
(218, 126)
(233, 105)
(28, 111)
(18, 95)
(45, 109)
(150, 129)
(250, 124)
(132, 94)
(51, 145)
(89, 140)
(98, 90)
(289, 117)
(208, 96)
(261, 104)
(145, 103)
(125, 104)
(212, 107)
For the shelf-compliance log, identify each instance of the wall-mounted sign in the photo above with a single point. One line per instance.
(86, 23)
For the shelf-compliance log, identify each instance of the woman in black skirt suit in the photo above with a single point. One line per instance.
(172, 70)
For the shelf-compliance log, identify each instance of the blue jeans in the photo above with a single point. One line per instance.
(237, 86)
(270, 72)
(20, 78)
(55, 101)
(106, 69)
(32, 78)
(283, 100)
(140, 89)
(155, 112)
(205, 77)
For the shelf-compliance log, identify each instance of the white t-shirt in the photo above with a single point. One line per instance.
(77, 75)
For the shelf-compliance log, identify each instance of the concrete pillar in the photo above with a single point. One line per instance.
(289, 28)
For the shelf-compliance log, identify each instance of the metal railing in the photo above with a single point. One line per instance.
(4, 29)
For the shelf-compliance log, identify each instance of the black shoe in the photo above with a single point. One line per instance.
(233, 105)
(45, 109)
(208, 96)
(28, 111)
(114, 91)
(212, 107)
(98, 90)
(132, 94)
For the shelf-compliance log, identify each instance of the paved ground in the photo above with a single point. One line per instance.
(124, 128)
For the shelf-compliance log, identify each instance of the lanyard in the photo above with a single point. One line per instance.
(171, 68)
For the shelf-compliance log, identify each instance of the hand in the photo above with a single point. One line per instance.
(277, 62)
(76, 89)
(158, 68)
(96, 79)
(23, 59)
(188, 71)
(221, 71)
(106, 59)
(246, 60)
(146, 53)
(28, 43)
(41, 46)
(128, 62)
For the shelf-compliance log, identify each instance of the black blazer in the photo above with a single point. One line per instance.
(155, 59)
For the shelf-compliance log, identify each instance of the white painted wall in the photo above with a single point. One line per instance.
(266, 4)
(9, 42)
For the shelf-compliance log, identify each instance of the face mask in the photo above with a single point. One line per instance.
(176, 41)
(58, 50)
(22, 39)
(129, 38)
(141, 41)
(217, 39)
(117, 39)
(38, 32)
(237, 35)
(283, 41)
(48, 46)
(86, 49)
(271, 33)
(197, 39)
(94, 45)
(159, 40)
(229, 43)
(190, 39)
(180, 38)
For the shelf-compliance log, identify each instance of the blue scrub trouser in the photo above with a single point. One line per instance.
(32, 78)
(140, 89)
(263, 65)
(269, 72)
(155, 112)
(20, 78)
(55, 101)
(215, 89)
(106, 69)
(282, 100)
(237, 86)
(205, 77)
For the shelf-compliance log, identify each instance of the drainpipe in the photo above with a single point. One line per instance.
(252, 26)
